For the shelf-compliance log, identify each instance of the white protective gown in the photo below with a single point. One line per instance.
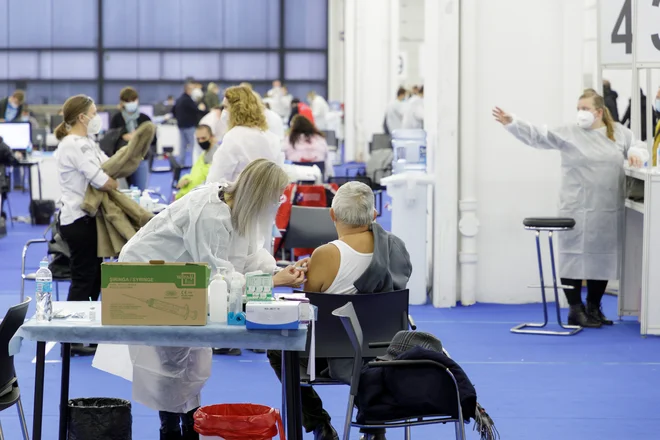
(320, 110)
(196, 228)
(413, 114)
(592, 193)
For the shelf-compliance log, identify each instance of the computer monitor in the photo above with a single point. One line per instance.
(147, 110)
(55, 120)
(18, 135)
(105, 121)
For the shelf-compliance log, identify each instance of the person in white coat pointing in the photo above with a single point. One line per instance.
(592, 192)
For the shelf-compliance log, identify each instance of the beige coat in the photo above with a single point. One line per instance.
(118, 217)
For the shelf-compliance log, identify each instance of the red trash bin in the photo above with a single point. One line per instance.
(240, 421)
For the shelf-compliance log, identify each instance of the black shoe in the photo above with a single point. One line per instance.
(378, 436)
(81, 350)
(171, 436)
(189, 433)
(578, 316)
(595, 312)
(228, 351)
(325, 432)
(257, 350)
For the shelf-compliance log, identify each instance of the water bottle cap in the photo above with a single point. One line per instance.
(43, 263)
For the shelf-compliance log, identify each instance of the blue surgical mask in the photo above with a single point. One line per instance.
(25, 118)
(131, 107)
(657, 105)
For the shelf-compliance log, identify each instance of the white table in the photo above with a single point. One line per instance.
(212, 335)
(639, 293)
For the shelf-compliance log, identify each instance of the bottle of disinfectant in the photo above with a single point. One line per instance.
(218, 300)
(44, 289)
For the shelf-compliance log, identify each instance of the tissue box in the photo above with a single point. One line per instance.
(272, 315)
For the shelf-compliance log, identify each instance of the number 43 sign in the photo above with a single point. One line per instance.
(616, 33)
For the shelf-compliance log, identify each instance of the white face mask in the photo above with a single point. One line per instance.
(131, 107)
(585, 119)
(197, 94)
(94, 124)
(657, 105)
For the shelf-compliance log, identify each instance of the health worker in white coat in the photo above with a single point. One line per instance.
(592, 193)
(247, 139)
(213, 224)
(320, 110)
(413, 114)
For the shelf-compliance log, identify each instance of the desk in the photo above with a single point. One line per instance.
(639, 293)
(212, 335)
(28, 164)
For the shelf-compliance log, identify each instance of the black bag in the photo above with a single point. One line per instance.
(58, 249)
(100, 418)
(41, 211)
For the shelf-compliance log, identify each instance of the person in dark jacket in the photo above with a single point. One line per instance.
(7, 159)
(626, 117)
(610, 97)
(11, 107)
(128, 120)
(188, 110)
(365, 259)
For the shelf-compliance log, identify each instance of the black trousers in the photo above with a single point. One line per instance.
(172, 423)
(595, 291)
(85, 264)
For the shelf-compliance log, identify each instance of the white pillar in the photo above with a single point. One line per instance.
(336, 50)
(441, 107)
(371, 46)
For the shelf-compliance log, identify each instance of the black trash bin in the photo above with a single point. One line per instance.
(100, 418)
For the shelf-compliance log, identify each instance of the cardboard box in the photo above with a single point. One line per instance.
(154, 293)
(272, 315)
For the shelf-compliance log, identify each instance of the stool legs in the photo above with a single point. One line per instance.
(536, 328)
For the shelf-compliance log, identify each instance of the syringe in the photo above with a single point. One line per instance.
(183, 311)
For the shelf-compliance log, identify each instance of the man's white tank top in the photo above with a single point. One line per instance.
(352, 265)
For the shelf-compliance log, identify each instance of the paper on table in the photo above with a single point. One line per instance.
(114, 359)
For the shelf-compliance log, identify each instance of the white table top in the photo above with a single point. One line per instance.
(211, 335)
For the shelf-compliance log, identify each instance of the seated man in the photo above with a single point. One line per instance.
(200, 169)
(365, 259)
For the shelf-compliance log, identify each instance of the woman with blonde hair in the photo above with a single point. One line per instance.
(246, 140)
(592, 193)
(214, 224)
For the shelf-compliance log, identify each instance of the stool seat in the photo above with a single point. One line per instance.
(548, 223)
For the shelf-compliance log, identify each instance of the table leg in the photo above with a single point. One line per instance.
(291, 384)
(39, 391)
(39, 179)
(64, 390)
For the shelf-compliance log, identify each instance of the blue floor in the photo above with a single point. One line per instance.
(598, 385)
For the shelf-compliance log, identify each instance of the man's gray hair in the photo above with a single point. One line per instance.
(354, 204)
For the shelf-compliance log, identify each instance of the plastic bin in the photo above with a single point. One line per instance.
(241, 421)
(100, 418)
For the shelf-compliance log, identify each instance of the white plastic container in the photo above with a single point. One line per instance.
(43, 292)
(218, 300)
(145, 201)
(409, 145)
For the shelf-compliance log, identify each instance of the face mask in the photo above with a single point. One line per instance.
(204, 145)
(25, 118)
(131, 107)
(197, 94)
(94, 124)
(657, 105)
(585, 119)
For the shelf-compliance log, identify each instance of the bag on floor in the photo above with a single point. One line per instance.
(41, 211)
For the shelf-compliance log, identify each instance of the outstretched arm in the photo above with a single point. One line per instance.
(538, 137)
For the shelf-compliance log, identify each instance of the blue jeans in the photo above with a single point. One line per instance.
(140, 177)
(171, 423)
(187, 143)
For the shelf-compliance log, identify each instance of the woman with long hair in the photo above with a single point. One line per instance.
(592, 192)
(79, 161)
(214, 224)
(306, 143)
(246, 140)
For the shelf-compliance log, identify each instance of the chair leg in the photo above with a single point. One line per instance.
(408, 433)
(22, 288)
(2, 434)
(11, 216)
(57, 291)
(349, 418)
(460, 430)
(21, 417)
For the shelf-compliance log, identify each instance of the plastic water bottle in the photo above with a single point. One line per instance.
(145, 201)
(135, 194)
(43, 292)
(235, 300)
(410, 144)
(218, 300)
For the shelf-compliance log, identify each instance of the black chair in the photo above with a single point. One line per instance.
(309, 227)
(380, 141)
(10, 393)
(177, 169)
(321, 166)
(32, 276)
(330, 138)
(349, 319)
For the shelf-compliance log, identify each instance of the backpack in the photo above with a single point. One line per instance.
(59, 252)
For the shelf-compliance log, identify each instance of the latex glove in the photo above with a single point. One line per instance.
(289, 277)
(635, 162)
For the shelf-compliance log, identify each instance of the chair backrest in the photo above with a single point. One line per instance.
(309, 228)
(176, 170)
(382, 315)
(321, 165)
(330, 138)
(381, 141)
(349, 320)
(13, 320)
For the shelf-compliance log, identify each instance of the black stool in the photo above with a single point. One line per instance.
(550, 225)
